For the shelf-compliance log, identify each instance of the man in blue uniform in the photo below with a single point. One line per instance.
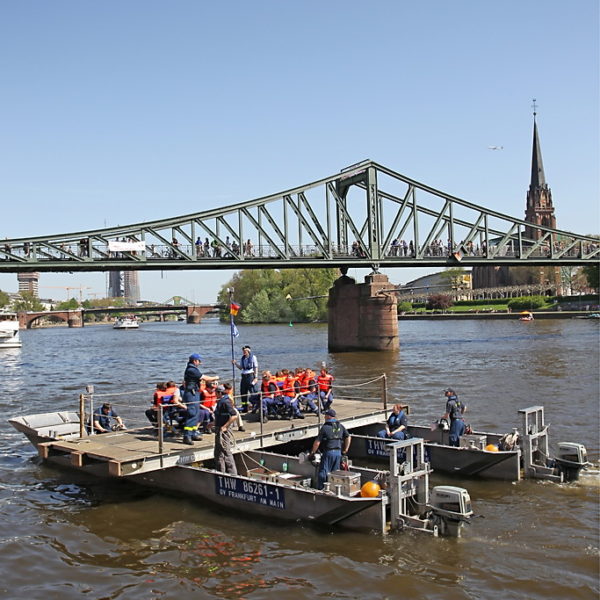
(225, 417)
(454, 411)
(395, 427)
(191, 398)
(249, 368)
(102, 417)
(334, 440)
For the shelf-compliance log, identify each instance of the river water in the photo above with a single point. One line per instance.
(63, 535)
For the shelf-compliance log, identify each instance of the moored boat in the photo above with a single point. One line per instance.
(9, 330)
(280, 486)
(510, 456)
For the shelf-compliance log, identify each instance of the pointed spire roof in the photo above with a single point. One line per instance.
(538, 179)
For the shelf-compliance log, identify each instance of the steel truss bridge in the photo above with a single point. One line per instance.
(365, 216)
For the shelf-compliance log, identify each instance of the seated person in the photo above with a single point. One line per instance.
(101, 419)
(309, 391)
(325, 383)
(395, 427)
(208, 401)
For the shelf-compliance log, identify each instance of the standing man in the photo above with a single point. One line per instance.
(334, 440)
(191, 398)
(454, 411)
(225, 417)
(248, 365)
(102, 417)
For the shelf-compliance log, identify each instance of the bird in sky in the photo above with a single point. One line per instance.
(495, 147)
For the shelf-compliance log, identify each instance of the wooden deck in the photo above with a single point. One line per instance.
(135, 451)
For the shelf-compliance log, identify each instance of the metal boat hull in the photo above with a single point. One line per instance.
(463, 462)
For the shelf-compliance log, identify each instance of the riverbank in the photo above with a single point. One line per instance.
(570, 314)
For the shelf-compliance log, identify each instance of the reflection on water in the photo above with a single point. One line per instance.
(119, 541)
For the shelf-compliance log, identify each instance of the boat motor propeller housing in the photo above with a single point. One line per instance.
(571, 458)
(451, 508)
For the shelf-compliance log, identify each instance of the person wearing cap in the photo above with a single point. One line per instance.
(102, 417)
(225, 416)
(191, 398)
(395, 427)
(333, 440)
(248, 365)
(455, 410)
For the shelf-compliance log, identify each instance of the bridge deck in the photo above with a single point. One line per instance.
(136, 451)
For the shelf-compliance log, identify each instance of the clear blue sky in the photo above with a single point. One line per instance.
(118, 112)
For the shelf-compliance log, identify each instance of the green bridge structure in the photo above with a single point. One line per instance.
(358, 217)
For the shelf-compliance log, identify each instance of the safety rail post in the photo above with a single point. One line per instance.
(90, 391)
(160, 430)
(384, 394)
(81, 415)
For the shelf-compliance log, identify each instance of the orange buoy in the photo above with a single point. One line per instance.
(491, 448)
(370, 490)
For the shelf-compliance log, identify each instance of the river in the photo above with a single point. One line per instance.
(66, 536)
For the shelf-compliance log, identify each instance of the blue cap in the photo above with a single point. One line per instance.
(330, 412)
(195, 357)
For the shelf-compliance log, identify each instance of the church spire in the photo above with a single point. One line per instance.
(538, 179)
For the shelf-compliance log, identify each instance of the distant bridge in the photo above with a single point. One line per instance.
(75, 317)
(366, 215)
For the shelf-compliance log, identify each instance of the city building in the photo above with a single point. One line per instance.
(28, 282)
(124, 284)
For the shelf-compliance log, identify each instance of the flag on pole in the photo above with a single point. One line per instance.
(234, 330)
(234, 308)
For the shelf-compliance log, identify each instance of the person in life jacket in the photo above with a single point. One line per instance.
(208, 401)
(291, 394)
(268, 391)
(395, 427)
(309, 391)
(334, 441)
(325, 383)
(455, 410)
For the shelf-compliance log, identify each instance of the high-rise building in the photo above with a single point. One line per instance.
(28, 282)
(124, 284)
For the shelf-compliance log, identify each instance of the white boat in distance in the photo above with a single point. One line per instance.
(126, 323)
(9, 331)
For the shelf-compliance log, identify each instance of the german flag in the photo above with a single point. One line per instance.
(234, 309)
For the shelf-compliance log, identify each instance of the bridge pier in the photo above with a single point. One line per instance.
(361, 317)
(194, 314)
(75, 318)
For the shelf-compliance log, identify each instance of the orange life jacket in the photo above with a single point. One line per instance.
(162, 397)
(325, 382)
(289, 387)
(265, 387)
(209, 397)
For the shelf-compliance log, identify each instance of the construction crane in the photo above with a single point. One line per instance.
(69, 287)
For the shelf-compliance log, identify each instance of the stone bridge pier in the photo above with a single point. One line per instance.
(194, 314)
(362, 316)
(73, 318)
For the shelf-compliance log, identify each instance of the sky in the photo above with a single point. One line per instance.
(119, 112)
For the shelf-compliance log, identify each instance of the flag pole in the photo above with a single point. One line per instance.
(231, 326)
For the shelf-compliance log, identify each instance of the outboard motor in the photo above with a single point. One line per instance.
(571, 458)
(443, 424)
(451, 508)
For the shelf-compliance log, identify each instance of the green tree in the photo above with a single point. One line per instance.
(71, 304)
(264, 295)
(28, 301)
(592, 274)
(453, 277)
(4, 299)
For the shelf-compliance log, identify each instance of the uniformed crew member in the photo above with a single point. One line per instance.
(249, 368)
(455, 410)
(225, 417)
(102, 417)
(333, 440)
(396, 424)
(191, 398)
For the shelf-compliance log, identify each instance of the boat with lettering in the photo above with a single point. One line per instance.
(511, 456)
(270, 484)
(9, 330)
(126, 323)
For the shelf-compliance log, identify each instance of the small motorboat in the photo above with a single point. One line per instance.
(9, 330)
(526, 316)
(126, 323)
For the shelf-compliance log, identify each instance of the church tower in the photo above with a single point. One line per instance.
(539, 210)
